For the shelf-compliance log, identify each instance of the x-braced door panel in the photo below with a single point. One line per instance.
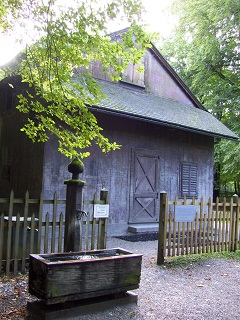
(144, 188)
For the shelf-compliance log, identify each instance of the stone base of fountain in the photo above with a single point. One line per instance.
(58, 278)
(40, 311)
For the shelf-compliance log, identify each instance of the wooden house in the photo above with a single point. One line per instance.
(167, 140)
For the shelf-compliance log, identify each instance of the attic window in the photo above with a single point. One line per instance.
(132, 76)
(189, 179)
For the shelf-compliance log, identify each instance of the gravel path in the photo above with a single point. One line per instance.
(207, 289)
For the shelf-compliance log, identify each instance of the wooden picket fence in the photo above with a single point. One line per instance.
(191, 227)
(22, 234)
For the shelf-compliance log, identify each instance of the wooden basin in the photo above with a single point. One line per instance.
(61, 277)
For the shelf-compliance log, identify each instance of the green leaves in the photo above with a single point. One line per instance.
(57, 66)
(205, 46)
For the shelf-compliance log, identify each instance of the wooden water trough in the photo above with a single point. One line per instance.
(60, 277)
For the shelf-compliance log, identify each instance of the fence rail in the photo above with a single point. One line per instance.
(190, 227)
(22, 234)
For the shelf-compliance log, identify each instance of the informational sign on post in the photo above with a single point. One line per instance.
(101, 211)
(185, 213)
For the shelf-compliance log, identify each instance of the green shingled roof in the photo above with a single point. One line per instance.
(144, 106)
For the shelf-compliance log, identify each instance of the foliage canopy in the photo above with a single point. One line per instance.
(68, 36)
(205, 50)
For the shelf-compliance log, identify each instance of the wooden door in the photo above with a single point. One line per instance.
(144, 187)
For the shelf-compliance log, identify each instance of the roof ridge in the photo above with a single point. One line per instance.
(114, 35)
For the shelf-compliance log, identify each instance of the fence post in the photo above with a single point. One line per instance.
(9, 233)
(236, 218)
(161, 233)
(74, 197)
(104, 195)
(103, 225)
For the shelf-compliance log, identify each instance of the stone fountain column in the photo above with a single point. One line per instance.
(74, 199)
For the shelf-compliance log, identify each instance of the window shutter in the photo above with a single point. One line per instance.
(189, 180)
(132, 75)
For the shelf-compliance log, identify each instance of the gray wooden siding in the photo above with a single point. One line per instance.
(155, 78)
(113, 171)
(22, 157)
(160, 83)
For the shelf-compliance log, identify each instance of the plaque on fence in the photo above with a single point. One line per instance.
(185, 213)
(101, 211)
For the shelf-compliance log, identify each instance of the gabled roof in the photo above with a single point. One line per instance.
(140, 105)
(176, 77)
(115, 36)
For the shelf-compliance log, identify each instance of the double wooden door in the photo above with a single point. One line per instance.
(144, 187)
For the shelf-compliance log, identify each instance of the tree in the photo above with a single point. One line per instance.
(204, 49)
(67, 36)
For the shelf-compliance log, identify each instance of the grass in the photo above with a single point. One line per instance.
(183, 261)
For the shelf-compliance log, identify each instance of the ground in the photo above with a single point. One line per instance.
(199, 287)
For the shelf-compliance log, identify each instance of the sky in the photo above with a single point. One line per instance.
(155, 18)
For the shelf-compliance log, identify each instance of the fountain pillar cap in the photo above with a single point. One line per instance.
(76, 167)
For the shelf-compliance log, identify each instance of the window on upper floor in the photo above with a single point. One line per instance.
(189, 177)
(133, 76)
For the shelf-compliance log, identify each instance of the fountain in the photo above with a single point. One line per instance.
(61, 277)
(75, 281)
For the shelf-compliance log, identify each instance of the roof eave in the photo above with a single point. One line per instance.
(159, 122)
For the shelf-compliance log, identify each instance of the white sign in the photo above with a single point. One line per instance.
(101, 211)
(185, 213)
